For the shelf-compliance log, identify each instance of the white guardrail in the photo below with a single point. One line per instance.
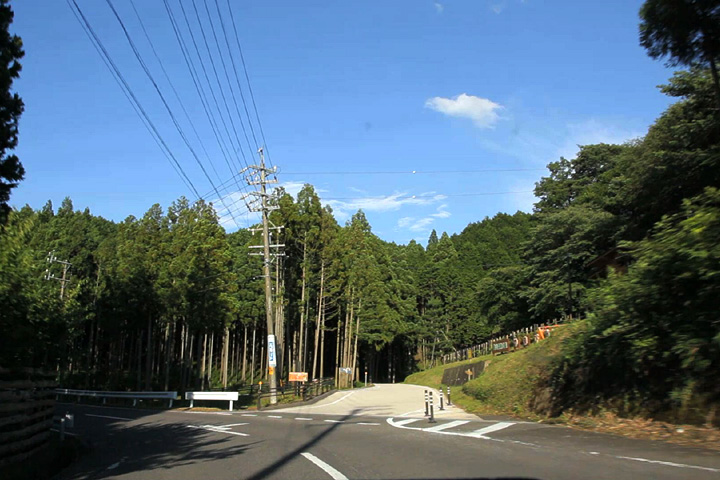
(135, 396)
(227, 396)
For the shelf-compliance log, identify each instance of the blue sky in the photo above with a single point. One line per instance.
(438, 88)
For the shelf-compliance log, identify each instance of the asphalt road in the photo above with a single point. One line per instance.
(309, 443)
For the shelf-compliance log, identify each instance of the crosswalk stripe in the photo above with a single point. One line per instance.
(491, 428)
(445, 426)
(406, 421)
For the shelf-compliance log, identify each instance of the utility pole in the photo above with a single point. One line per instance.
(259, 176)
(51, 258)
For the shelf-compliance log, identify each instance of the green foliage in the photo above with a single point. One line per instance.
(654, 331)
(11, 107)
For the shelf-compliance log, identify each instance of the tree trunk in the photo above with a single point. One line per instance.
(716, 81)
(301, 357)
(252, 366)
(169, 335)
(317, 323)
(322, 342)
(244, 359)
(203, 365)
(208, 378)
(149, 355)
(138, 351)
(337, 350)
(357, 332)
(226, 351)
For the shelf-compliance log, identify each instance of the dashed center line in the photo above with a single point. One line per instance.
(303, 419)
(274, 416)
(367, 423)
(333, 421)
(248, 415)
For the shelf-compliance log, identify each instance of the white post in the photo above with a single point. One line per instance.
(231, 405)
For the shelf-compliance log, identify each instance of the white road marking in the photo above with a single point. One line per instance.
(326, 468)
(215, 429)
(221, 413)
(406, 421)
(274, 416)
(492, 428)
(445, 426)
(333, 421)
(670, 464)
(302, 418)
(248, 415)
(331, 403)
(114, 466)
(403, 423)
(235, 424)
(106, 416)
(367, 423)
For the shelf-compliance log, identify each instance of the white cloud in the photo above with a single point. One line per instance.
(497, 7)
(343, 208)
(482, 111)
(405, 222)
(292, 187)
(439, 7)
(420, 225)
(441, 212)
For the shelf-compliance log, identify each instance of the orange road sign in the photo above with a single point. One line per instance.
(298, 377)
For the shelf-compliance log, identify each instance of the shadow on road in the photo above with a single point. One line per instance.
(117, 447)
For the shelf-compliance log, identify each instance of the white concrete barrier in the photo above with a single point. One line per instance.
(227, 396)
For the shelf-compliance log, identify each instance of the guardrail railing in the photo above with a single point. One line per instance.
(134, 396)
(305, 390)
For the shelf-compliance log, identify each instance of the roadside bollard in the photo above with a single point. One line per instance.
(441, 400)
(427, 412)
(432, 413)
(448, 396)
(62, 429)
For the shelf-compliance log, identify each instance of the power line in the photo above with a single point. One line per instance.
(227, 77)
(162, 97)
(125, 87)
(207, 79)
(199, 88)
(237, 77)
(172, 86)
(417, 172)
(434, 195)
(217, 77)
(247, 78)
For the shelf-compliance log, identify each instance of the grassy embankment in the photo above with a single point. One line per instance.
(515, 384)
